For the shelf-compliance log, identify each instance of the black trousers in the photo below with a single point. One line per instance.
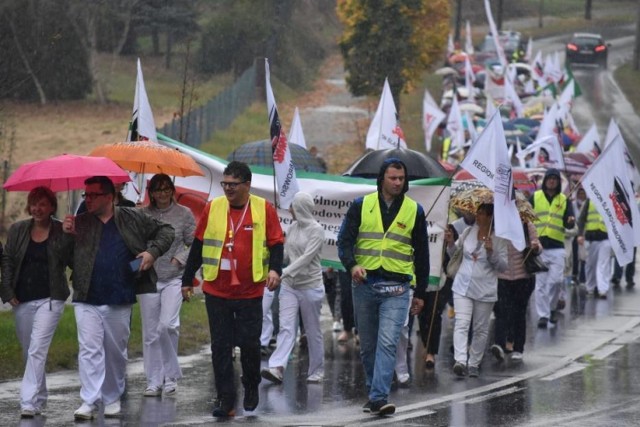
(629, 269)
(234, 322)
(511, 312)
(346, 301)
(430, 318)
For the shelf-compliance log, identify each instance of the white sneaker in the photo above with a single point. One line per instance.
(403, 379)
(315, 378)
(27, 413)
(85, 412)
(337, 326)
(272, 374)
(170, 387)
(152, 391)
(112, 410)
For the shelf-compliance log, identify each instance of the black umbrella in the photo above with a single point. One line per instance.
(419, 165)
(258, 153)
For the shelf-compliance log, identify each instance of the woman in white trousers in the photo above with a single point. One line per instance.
(475, 288)
(301, 289)
(35, 284)
(160, 312)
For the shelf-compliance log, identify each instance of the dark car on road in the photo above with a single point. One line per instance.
(587, 48)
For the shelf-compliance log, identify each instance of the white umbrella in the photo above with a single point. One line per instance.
(446, 71)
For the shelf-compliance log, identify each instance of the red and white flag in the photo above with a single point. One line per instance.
(455, 126)
(609, 188)
(488, 161)
(432, 116)
(296, 136)
(384, 130)
(287, 183)
(590, 142)
(142, 125)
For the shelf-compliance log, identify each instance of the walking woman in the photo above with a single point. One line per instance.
(160, 311)
(301, 290)
(475, 288)
(515, 287)
(35, 284)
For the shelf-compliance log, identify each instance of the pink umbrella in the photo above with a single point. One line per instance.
(65, 172)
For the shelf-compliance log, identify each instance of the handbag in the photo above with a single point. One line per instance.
(456, 259)
(532, 263)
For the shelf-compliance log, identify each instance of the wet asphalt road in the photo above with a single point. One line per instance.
(580, 372)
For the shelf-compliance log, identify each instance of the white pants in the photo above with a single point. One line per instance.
(402, 366)
(598, 266)
(36, 323)
(160, 314)
(309, 302)
(549, 284)
(103, 334)
(480, 312)
(267, 317)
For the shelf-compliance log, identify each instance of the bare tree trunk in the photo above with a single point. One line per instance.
(636, 51)
(155, 41)
(500, 7)
(27, 65)
(167, 54)
(456, 35)
(540, 13)
(587, 10)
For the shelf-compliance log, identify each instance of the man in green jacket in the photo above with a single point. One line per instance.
(113, 250)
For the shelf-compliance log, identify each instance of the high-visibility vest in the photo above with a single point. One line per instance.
(594, 220)
(446, 145)
(391, 250)
(549, 221)
(216, 232)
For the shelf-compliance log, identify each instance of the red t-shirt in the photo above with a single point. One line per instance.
(242, 252)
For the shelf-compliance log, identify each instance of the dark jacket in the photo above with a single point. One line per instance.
(140, 233)
(18, 240)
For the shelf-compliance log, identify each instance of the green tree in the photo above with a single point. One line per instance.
(398, 39)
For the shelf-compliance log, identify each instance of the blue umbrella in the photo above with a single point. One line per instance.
(258, 153)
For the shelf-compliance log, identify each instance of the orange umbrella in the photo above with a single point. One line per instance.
(146, 157)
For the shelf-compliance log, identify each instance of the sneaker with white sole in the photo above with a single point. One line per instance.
(337, 326)
(152, 391)
(27, 413)
(170, 387)
(403, 380)
(85, 412)
(497, 352)
(516, 356)
(272, 374)
(315, 378)
(112, 409)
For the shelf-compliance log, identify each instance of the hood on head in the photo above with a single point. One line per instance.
(552, 172)
(302, 206)
(385, 165)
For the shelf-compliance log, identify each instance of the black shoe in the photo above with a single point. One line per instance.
(616, 282)
(630, 284)
(542, 323)
(554, 317)
(265, 352)
(251, 398)
(223, 408)
(382, 408)
(367, 406)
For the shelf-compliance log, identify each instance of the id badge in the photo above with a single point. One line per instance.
(225, 264)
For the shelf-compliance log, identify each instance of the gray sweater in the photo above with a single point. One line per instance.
(184, 225)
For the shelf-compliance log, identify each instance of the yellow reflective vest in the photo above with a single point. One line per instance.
(392, 249)
(550, 215)
(594, 220)
(216, 233)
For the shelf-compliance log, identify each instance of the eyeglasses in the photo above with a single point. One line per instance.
(230, 185)
(92, 195)
(162, 190)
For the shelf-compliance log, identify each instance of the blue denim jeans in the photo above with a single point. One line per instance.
(379, 320)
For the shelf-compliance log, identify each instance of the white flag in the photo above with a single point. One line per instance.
(450, 46)
(296, 136)
(613, 132)
(511, 97)
(495, 35)
(283, 166)
(468, 44)
(609, 188)
(590, 142)
(142, 125)
(488, 161)
(529, 50)
(384, 131)
(469, 78)
(455, 126)
(433, 116)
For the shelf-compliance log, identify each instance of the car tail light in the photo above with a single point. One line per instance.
(572, 46)
(601, 48)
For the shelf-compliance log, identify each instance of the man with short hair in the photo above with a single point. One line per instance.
(239, 244)
(104, 241)
(383, 243)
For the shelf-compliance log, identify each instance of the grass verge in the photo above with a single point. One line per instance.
(63, 353)
(628, 78)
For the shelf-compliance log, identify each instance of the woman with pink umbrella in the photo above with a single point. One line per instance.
(35, 284)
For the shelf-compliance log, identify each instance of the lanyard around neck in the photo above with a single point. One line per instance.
(233, 230)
